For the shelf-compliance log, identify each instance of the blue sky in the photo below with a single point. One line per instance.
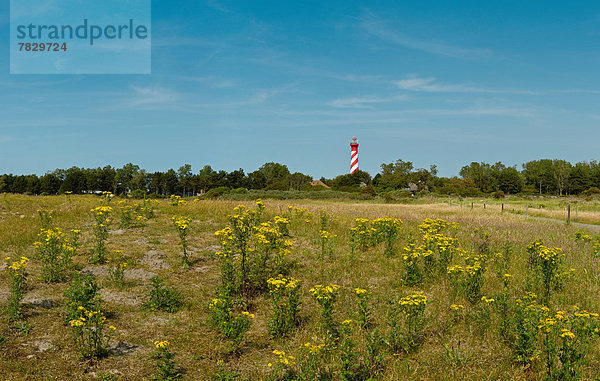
(237, 84)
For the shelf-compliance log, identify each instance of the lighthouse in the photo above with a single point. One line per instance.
(353, 155)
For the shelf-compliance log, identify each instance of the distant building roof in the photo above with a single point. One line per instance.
(315, 183)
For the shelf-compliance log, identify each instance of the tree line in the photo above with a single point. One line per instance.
(545, 176)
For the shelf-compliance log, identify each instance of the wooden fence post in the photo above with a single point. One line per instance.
(568, 213)
(502, 207)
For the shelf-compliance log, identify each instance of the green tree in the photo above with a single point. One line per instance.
(395, 175)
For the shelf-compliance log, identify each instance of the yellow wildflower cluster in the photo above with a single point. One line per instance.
(216, 303)
(284, 359)
(88, 318)
(161, 344)
(282, 223)
(281, 283)
(55, 239)
(439, 241)
(267, 234)
(102, 210)
(457, 307)
(326, 235)
(362, 232)
(182, 223)
(175, 200)
(360, 291)
(246, 313)
(417, 299)
(18, 266)
(454, 270)
(431, 226)
(487, 300)
(227, 241)
(550, 254)
(386, 224)
(313, 348)
(321, 292)
(585, 238)
(542, 252)
(413, 252)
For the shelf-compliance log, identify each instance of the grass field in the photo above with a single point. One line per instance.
(480, 340)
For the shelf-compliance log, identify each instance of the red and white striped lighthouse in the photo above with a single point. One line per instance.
(353, 155)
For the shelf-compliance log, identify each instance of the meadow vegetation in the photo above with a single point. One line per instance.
(317, 290)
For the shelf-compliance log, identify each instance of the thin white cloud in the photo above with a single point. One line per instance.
(218, 6)
(431, 85)
(364, 102)
(151, 96)
(211, 81)
(378, 27)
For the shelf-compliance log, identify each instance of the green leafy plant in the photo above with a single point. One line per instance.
(45, 218)
(17, 275)
(230, 324)
(116, 269)
(387, 230)
(285, 294)
(100, 227)
(90, 334)
(162, 298)
(182, 224)
(326, 297)
(82, 292)
(55, 250)
(166, 366)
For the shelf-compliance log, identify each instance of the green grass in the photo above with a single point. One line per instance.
(451, 351)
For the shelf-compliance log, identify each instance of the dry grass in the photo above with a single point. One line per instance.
(199, 348)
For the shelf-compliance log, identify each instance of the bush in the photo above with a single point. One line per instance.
(138, 194)
(162, 298)
(369, 190)
(216, 192)
(498, 194)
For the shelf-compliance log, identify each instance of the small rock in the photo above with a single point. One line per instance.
(43, 346)
(155, 260)
(123, 348)
(36, 301)
(120, 297)
(138, 274)
(97, 271)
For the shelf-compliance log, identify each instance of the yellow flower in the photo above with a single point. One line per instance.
(161, 344)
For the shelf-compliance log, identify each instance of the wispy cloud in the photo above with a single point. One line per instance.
(364, 102)
(210, 81)
(152, 96)
(218, 6)
(380, 28)
(431, 85)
